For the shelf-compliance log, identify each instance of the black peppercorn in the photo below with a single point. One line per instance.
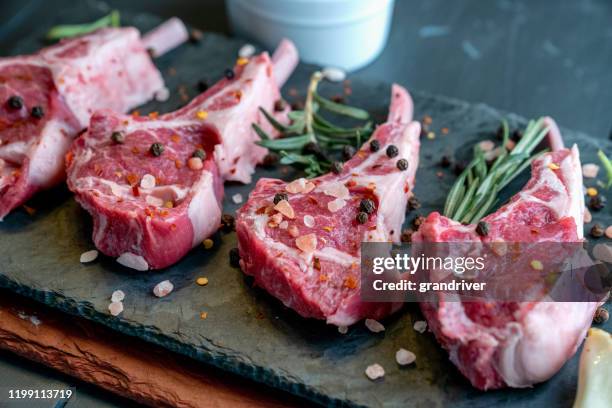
(597, 203)
(336, 167)
(362, 217)
(406, 236)
(597, 231)
(601, 316)
(417, 221)
(228, 222)
(234, 257)
(374, 145)
(117, 137)
(367, 206)
(15, 102)
(459, 167)
(402, 164)
(37, 112)
(280, 105)
(199, 153)
(413, 203)
(202, 85)
(499, 134)
(348, 151)
(195, 36)
(392, 151)
(229, 73)
(516, 135)
(270, 160)
(157, 149)
(297, 105)
(445, 161)
(278, 197)
(482, 229)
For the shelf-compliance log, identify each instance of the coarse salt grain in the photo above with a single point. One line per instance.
(162, 95)
(296, 186)
(237, 198)
(375, 371)
(293, 231)
(147, 181)
(342, 329)
(308, 187)
(277, 218)
(133, 261)
(154, 201)
(374, 326)
(306, 243)
(89, 256)
(337, 190)
(334, 74)
(336, 205)
(246, 51)
(163, 288)
(404, 357)
(309, 221)
(283, 225)
(195, 163)
(420, 326)
(590, 170)
(118, 296)
(486, 145)
(115, 308)
(603, 252)
(285, 208)
(587, 216)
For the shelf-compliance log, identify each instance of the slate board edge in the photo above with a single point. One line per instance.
(219, 357)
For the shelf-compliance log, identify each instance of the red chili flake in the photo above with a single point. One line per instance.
(69, 158)
(148, 212)
(178, 164)
(350, 282)
(135, 191)
(172, 227)
(31, 211)
(164, 213)
(316, 263)
(350, 183)
(269, 71)
(238, 94)
(323, 278)
(153, 115)
(136, 113)
(135, 150)
(427, 119)
(175, 138)
(16, 173)
(132, 179)
(445, 131)
(260, 210)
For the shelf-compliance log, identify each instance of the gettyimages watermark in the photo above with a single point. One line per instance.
(475, 271)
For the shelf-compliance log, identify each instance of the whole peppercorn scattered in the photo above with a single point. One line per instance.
(297, 105)
(336, 167)
(338, 99)
(445, 161)
(37, 112)
(601, 316)
(362, 217)
(348, 151)
(228, 222)
(280, 105)
(597, 231)
(597, 203)
(482, 229)
(278, 197)
(117, 137)
(402, 164)
(229, 73)
(202, 85)
(406, 236)
(270, 160)
(392, 151)
(516, 135)
(15, 102)
(156, 149)
(459, 167)
(367, 206)
(234, 257)
(374, 146)
(199, 153)
(195, 36)
(312, 148)
(417, 221)
(499, 134)
(413, 203)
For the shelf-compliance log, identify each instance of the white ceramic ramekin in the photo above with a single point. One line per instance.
(347, 34)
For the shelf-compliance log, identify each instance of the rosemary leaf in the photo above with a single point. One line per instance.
(275, 123)
(260, 132)
(287, 143)
(341, 109)
(72, 30)
(607, 165)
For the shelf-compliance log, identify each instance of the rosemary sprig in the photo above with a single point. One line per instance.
(72, 30)
(476, 190)
(607, 165)
(310, 139)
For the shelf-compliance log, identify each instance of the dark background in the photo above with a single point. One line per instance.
(550, 57)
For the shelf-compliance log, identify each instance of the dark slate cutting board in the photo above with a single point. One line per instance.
(248, 332)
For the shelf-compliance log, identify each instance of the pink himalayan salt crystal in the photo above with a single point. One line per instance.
(147, 181)
(283, 225)
(277, 218)
(163, 288)
(375, 371)
(306, 243)
(420, 326)
(115, 308)
(336, 189)
(309, 187)
(374, 326)
(296, 186)
(309, 221)
(590, 170)
(336, 205)
(587, 216)
(486, 145)
(285, 208)
(404, 357)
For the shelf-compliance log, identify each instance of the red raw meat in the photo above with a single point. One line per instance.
(60, 87)
(151, 227)
(324, 282)
(516, 344)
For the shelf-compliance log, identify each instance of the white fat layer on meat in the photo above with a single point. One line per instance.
(133, 261)
(15, 152)
(46, 156)
(170, 192)
(204, 211)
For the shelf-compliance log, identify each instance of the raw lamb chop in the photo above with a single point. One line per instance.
(47, 98)
(154, 185)
(302, 241)
(516, 344)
